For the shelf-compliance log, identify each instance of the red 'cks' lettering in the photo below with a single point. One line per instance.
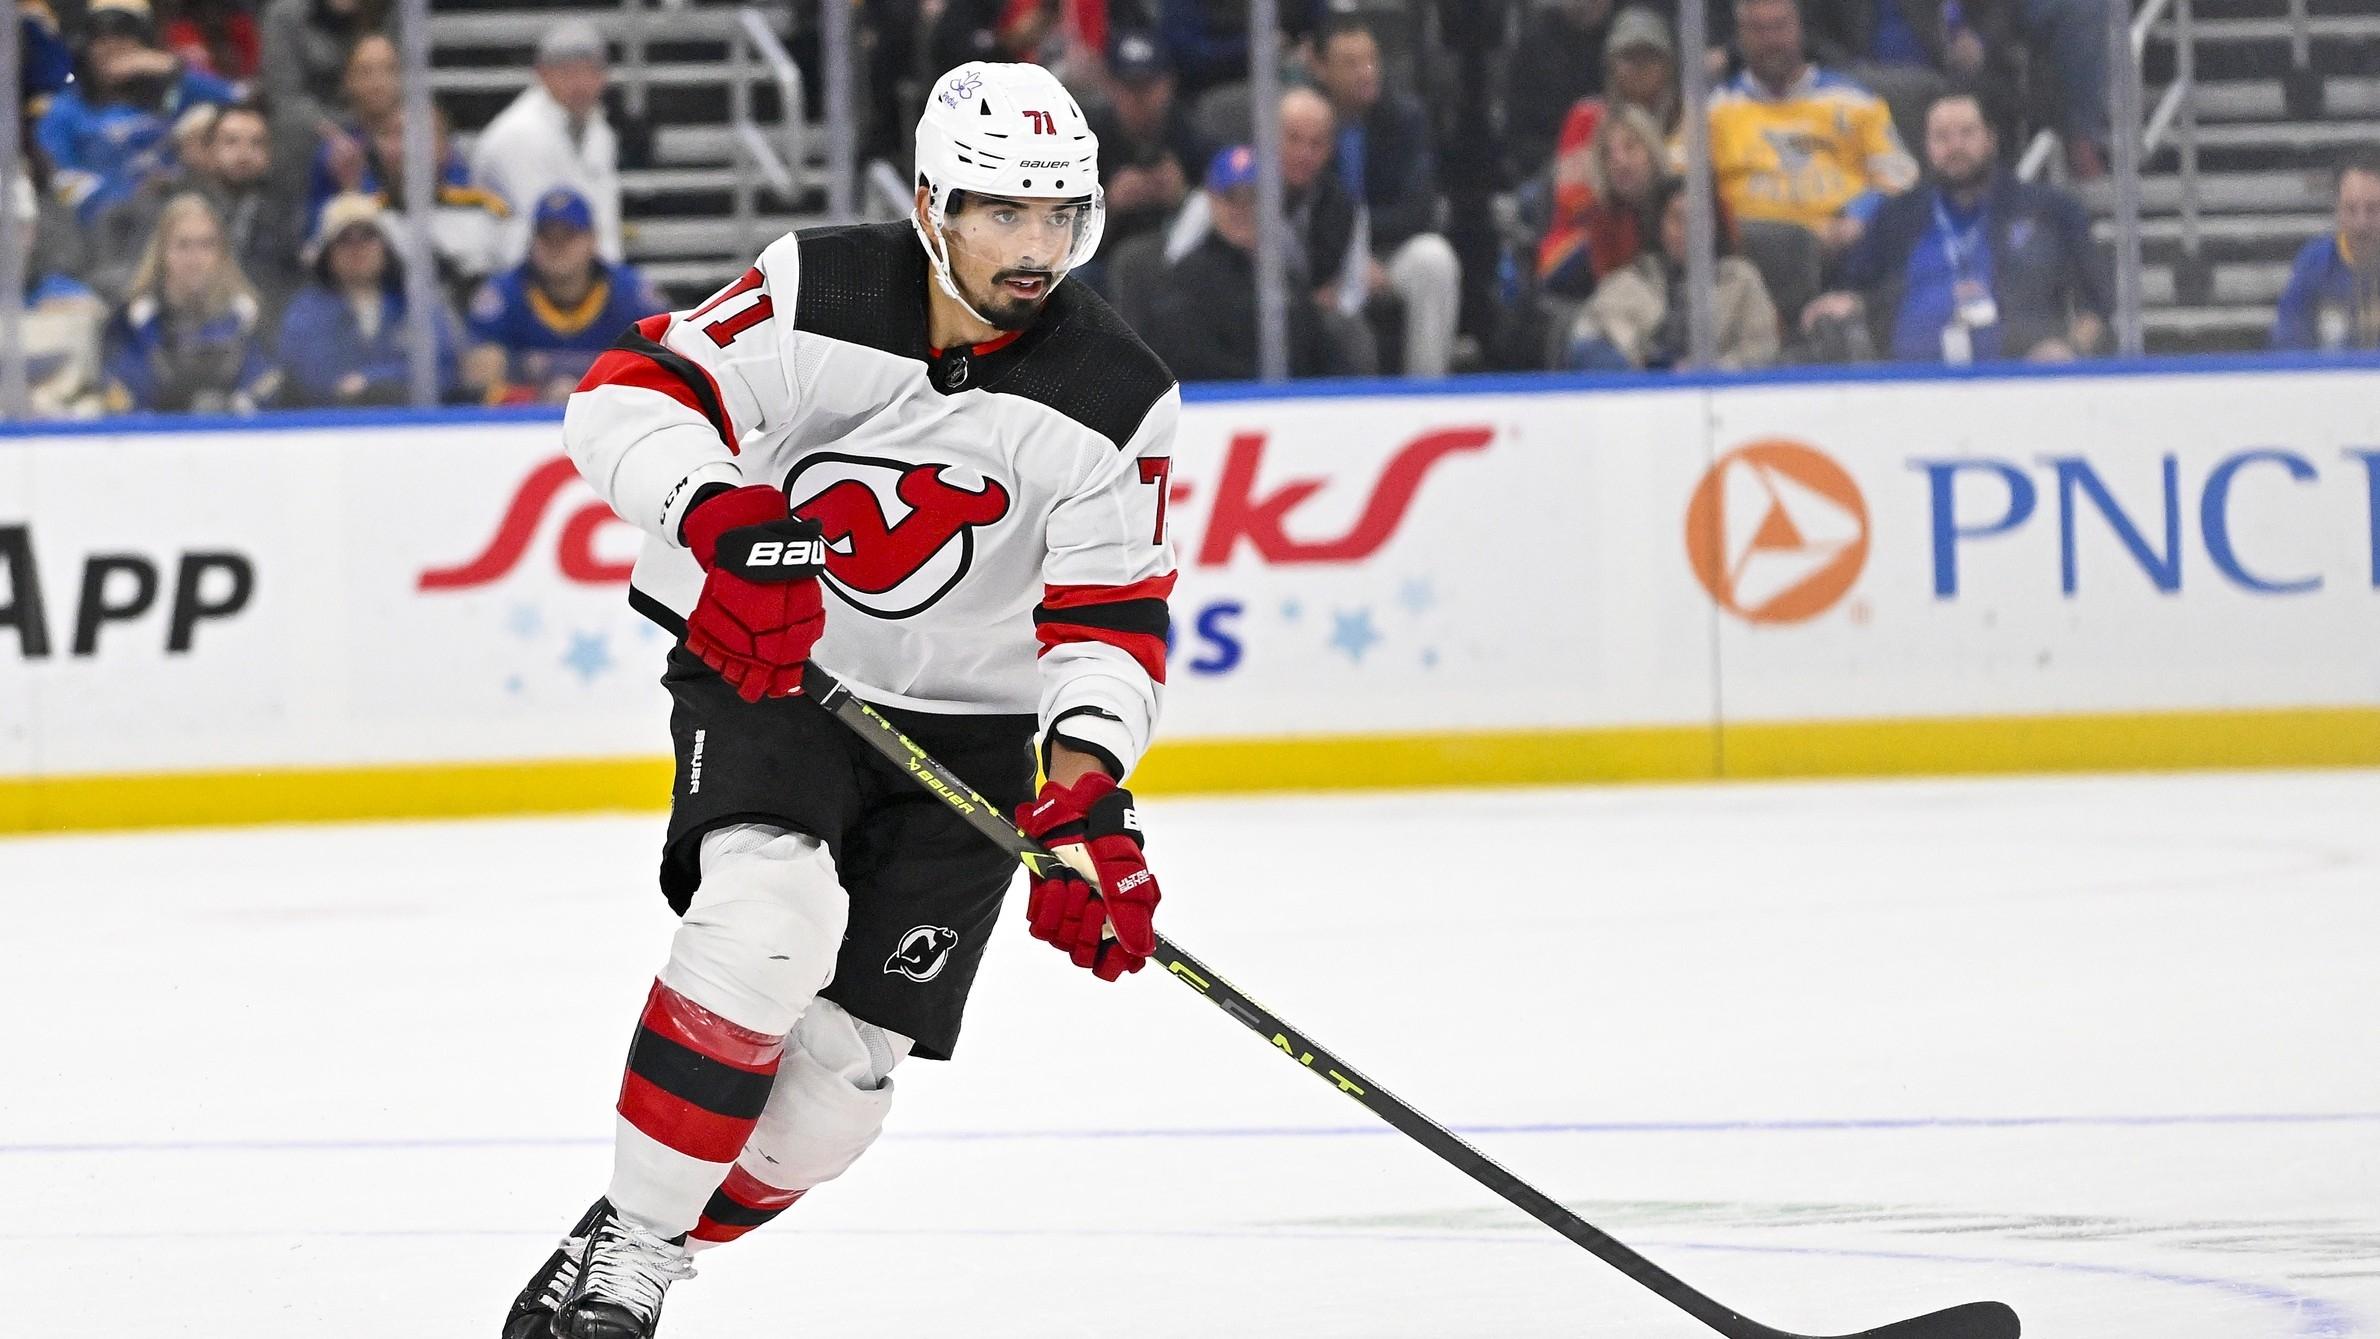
(1240, 514)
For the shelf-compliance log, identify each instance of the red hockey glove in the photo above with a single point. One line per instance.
(1092, 821)
(760, 610)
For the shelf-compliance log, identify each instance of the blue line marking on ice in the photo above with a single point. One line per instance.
(1789, 1126)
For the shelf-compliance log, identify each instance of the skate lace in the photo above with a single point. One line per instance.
(558, 1287)
(633, 1268)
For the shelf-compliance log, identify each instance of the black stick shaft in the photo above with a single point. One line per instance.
(1982, 1320)
(986, 818)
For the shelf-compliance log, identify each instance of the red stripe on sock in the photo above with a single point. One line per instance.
(753, 1193)
(698, 1029)
(673, 1121)
(711, 1230)
(680, 1125)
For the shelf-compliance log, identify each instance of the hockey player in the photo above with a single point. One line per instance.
(983, 450)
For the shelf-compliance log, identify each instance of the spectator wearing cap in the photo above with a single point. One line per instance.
(1558, 61)
(556, 135)
(305, 45)
(344, 340)
(114, 125)
(1329, 253)
(230, 165)
(189, 339)
(1797, 145)
(1144, 138)
(2333, 298)
(61, 327)
(1385, 160)
(1640, 69)
(538, 326)
(1204, 315)
(1975, 265)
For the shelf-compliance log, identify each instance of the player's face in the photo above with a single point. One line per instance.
(1006, 255)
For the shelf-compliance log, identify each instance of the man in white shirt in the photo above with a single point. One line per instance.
(554, 134)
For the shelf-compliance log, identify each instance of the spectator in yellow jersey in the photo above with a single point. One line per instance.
(1795, 144)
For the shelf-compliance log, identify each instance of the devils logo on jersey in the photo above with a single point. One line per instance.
(922, 953)
(899, 536)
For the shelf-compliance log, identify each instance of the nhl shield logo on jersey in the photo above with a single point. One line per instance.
(923, 953)
(898, 535)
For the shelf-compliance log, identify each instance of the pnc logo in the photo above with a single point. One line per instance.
(1776, 532)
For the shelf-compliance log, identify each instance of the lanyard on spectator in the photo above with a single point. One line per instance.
(1958, 245)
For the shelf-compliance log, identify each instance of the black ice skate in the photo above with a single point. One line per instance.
(532, 1314)
(623, 1271)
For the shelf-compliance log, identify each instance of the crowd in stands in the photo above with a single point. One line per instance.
(1508, 193)
(1539, 221)
(213, 206)
(212, 215)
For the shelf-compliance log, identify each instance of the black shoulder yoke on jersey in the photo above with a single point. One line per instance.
(866, 284)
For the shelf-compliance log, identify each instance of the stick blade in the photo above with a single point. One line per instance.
(1975, 1320)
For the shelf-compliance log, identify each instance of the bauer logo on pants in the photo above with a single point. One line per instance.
(1777, 532)
(923, 952)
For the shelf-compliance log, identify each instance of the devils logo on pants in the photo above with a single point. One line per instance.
(899, 536)
(922, 952)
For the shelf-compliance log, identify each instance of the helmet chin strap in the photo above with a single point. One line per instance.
(938, 251)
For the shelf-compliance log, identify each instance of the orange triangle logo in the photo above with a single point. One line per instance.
(1777, 531)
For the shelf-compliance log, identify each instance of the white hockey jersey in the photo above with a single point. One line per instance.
(995, 516)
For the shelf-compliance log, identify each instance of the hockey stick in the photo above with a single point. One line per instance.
(1974, 1320)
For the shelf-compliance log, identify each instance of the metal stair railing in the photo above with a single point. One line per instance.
(753, 46)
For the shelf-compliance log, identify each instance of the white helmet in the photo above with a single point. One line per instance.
(1005, 130)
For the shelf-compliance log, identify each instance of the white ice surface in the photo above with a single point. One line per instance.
(1838, 1053)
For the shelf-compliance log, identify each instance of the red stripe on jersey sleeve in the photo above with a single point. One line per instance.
(1145, 648)
(642, 360)
(1131, 618)
(1075, 597)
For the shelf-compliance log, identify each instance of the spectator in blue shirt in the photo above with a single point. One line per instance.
(188, 339)
(114, 125)
(344, 338)
(1972, 266)
(1385, 160)
(538, 326)
(2333, 298)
